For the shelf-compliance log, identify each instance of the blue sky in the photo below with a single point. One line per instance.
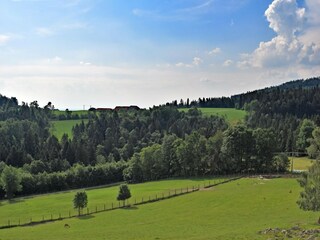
(147, 52)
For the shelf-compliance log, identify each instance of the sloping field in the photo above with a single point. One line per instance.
(232, 115)
(300, 163)
(59, 128)
(79, 112)
(236, 210)
(42, 206)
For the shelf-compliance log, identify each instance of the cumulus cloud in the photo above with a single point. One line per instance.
(197, 61)
(287, 48)
(4, 39)
(285, 17)
(214, 51)
(227, 63)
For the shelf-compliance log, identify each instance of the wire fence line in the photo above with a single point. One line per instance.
(115, 205)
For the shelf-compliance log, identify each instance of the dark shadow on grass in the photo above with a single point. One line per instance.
(86, 217)
(130, 208)
(13, 201)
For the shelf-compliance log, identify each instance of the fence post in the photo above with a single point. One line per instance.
(42, 219)
(96, 209)
(187, 189)
(59, 215)
(31, 220)
(104, 207)
(111, 205)
(162, 195)
(142, 200)
(19, 221)
(175, 192)
(156, 197)
(181, 190)
(8, 223)
(87, 211)
(51, 217)
(69, 214)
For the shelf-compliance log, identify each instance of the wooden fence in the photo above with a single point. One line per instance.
(116, 205)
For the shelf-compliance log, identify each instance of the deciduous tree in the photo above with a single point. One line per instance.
(80, 201)
(10, 181)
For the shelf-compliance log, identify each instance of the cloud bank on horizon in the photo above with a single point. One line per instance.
(108, 53)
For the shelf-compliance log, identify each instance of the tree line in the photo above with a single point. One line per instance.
(237, 150)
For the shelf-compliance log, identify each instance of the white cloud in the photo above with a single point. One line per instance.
(313, 11)
(214, 51)
(85, 63)
(56, 59)
(227, 63)
(44, 32)
(197, 61)
(288, 48)
(285, 17)
(198, 9)
(4, 39)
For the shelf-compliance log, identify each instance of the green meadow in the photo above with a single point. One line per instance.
(235, 210)
(79, 112)
(58, 128)
(232, 115)
(42, 206)
(300, 163)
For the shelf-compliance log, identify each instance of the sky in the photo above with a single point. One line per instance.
(105, 53)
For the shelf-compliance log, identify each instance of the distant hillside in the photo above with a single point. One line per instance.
(308, 83)
(238, 100)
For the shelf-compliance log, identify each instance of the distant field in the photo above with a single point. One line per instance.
(79, 112)
(55, 203)
(236, 210)
(59, 128)
(232, 115)
(300, 163)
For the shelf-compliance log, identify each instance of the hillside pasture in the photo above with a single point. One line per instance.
(236, 210)
(232, 115)
(58, 128)
(75, 112)
(43, 206)
(300, 163)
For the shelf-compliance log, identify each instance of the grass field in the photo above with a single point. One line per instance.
(41, 206)
(79, 112)
(65, 126)
(236, 210)
(232, 115)
(300, 163)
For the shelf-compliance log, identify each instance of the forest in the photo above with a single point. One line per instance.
(161, 142)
